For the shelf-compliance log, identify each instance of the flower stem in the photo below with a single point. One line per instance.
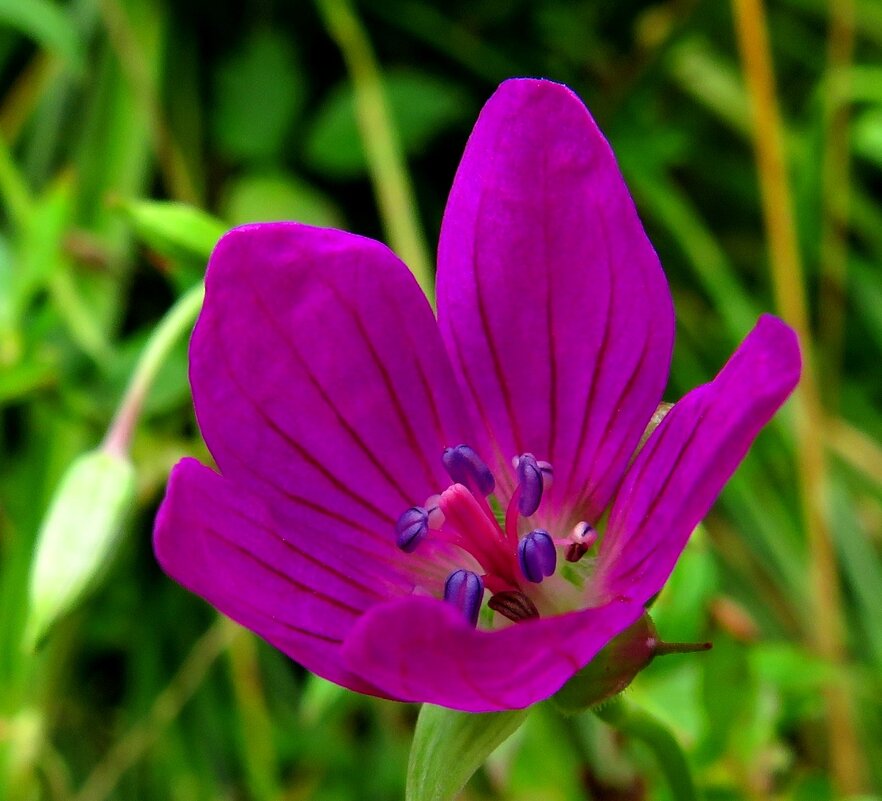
(834, 192)
(825, 626)
(132, 746)
(177, 321)
(14, 190)
(382, 148)
(634, 722)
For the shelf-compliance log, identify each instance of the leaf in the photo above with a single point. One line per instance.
(77, 536)
(421, 106)
(174, 230)
(258, 93)
(867, 135)
(45, 23)
(449, 746)
(38, 253)
(264, 197)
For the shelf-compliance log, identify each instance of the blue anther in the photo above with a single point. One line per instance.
(531, 484)
(411, 527)
(537, 555)
(465, 467)
(465, 590)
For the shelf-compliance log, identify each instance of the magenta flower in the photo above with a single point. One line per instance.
(408, 507)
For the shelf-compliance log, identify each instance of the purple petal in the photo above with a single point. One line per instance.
(421, 649)
(551, 300)
(685, 463)
(223, 544)
(321, 383)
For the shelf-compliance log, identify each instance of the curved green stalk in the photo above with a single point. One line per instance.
(634, 722)
(392, 186)
(177, 321)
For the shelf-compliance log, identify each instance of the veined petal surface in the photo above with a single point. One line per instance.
(223, 543)
(682, 468)
(423, 649)
(320, 382)
(551, 300)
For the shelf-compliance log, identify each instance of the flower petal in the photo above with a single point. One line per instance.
(223, 544)
(551, 300)
(422, 649)
(677, 476)
(320, 381)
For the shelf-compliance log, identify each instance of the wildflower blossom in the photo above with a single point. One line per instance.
(411, 507)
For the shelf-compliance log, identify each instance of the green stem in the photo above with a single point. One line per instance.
(178, 320)
(131, 747)
(14, 190)
(258, 752)
(395, 195)
(632, 721)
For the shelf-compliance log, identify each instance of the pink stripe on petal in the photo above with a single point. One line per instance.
(222, 543)
(421, 649)
(551, 300)
(318, 373)
(677, 476)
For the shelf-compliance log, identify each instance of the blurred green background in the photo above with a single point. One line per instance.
(756, 164)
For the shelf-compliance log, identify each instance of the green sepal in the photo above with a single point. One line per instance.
(77, 536)
(449, 746)
(612, 670)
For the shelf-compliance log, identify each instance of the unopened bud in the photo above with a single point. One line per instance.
(77, 536)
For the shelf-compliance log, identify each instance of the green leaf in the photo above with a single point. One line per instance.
(45, 23)
(258, 93)
(264, 197)
(174, 230)
(37, 257)
(867, 135)
(77, 536)
(421, 106)
(449, 746)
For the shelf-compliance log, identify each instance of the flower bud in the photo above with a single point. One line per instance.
(77, 536)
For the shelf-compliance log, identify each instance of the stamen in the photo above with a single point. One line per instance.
(581, 540)
(514, 605)
(537, 555)
(436, 516)
(465, 590)
(547, 474)
(575, 551)
(465, 467)
(411, 528)
(530, 483)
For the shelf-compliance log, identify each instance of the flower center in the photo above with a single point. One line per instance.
(512, 566)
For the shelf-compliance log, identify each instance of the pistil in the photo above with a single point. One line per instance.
(462, 516)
